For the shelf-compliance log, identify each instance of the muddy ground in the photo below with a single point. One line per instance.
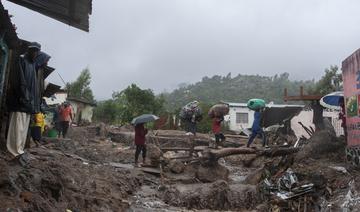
(88, 172)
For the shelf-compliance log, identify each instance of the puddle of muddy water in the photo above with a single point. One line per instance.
(146, 200)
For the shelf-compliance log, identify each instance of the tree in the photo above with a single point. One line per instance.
(129, 103)
(80, 88)
(240, 88)
(204, 126)
(106, 111)
(330, 82)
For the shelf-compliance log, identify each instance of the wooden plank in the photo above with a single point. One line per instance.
(236, 136)
(302, 98)
(121, 165)
(150, 170)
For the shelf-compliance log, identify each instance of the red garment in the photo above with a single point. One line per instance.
(140, 133)
(65, 114)
(216, 125)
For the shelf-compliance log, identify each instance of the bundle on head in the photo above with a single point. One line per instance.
(256, 104)
(189, 110)
(218, 110)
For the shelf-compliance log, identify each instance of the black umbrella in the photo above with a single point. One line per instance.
(144, 119)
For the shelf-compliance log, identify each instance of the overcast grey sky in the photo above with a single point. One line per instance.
(161, 43)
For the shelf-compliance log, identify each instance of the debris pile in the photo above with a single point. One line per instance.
(180, 173)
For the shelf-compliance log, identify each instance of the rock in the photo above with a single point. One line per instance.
(212, 196)
(243, 196)
(212, 173)
(255, 177)
(153, 153)
(177, 166)
(26, 196)
(101, 130)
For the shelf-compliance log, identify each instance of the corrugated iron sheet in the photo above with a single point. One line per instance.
(7, 28)
(73, 12)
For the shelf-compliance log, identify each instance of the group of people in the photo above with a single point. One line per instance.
(26, 104)
(256, 130)
(190, 128)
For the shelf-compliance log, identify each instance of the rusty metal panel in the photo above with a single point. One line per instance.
(73, 12)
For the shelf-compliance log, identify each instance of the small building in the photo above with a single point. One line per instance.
(57, 99)
(83, 110)
(240, 117)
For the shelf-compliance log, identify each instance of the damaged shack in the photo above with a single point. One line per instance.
(292, 118)
(75, 14)
(83, 110)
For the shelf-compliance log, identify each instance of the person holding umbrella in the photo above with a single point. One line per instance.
(140, 135)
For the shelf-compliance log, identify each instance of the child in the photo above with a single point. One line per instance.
(38, 127)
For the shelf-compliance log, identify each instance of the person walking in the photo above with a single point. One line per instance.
(216, 129)
(65, 118)
(256, 129)
(140, 133)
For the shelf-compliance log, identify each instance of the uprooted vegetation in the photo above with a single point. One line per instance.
(93, 171)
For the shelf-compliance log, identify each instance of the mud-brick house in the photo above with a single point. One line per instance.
(83, 110)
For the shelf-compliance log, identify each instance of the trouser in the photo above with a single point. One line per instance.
(219, 137)
(36, 133)
(254, 134)
(58, 128)
(140, 148)
(191, 127)
(18, 130)
(64, 128)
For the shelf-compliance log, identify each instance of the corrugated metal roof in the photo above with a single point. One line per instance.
(7, 28)
(51, 89)
(82, 100)
(73, 12)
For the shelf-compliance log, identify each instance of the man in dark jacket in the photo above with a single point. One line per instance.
(27, 101)
(140, 133)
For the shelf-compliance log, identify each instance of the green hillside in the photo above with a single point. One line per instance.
(235, 89)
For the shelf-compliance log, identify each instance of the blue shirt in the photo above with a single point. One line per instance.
(257, 120)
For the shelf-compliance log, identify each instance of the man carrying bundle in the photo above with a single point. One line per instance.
(191, 114)
(257, 105)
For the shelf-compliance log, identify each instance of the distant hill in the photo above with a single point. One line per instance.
(235, 89)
